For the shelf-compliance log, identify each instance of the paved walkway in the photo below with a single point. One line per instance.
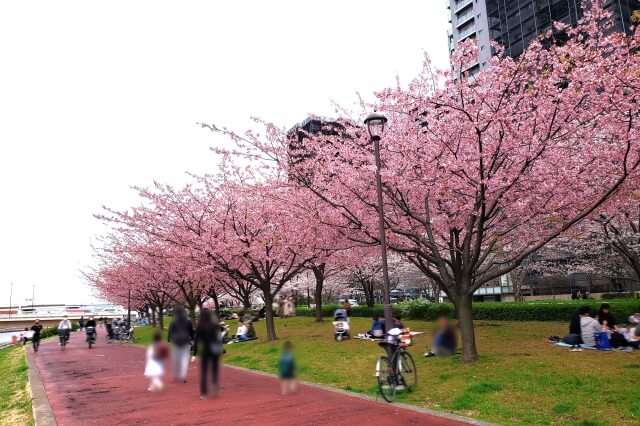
(105, 386)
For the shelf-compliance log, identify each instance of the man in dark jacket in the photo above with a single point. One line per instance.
(181, 336)
(37, 329)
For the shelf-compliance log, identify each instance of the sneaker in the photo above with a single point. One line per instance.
(429, 354)
(576, 349)
(628, 349)
(203, 396)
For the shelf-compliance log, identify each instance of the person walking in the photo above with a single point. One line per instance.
(181, 337)
(157, 352)
(208, 337)
(287, 370)
(81, 322)
(37, 329)
(109, 326)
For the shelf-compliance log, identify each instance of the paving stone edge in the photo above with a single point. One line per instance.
(42, 412)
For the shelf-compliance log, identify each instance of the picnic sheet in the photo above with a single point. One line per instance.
(566, 345)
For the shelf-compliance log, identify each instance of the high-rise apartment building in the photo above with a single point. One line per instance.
(514, 23)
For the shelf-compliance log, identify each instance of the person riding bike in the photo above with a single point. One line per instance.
(64, 327)
(91, 322)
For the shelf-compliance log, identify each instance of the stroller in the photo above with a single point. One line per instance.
(340, 325)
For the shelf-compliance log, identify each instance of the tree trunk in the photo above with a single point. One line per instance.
(192, 312)
(161, 316)
(271, 328)
(216, 303)
(367, 288)
(246, 302)
(153, 317)
(318, 271)
(463, 306)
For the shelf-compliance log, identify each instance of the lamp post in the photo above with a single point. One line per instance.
(129, 309)
(375, 123)
(10, 299)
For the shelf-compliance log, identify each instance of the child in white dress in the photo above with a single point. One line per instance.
(157, 353)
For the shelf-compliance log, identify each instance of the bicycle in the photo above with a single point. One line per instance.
(399, 372)
(64, 338)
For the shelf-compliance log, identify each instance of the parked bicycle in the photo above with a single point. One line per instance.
(121, 331)
(396, 371)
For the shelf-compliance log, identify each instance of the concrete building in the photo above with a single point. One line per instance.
(514, 23)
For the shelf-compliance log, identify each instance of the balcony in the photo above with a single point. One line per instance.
(461, 5)
(467, 32)
(464, 18)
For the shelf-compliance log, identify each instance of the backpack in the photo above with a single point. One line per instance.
(602, 341)
(160, 351)
(180, 333)
(618, 340)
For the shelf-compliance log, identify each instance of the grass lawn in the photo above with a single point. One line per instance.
(519, 379)
(15, 400)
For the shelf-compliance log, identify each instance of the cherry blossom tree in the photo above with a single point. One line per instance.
(478, 173)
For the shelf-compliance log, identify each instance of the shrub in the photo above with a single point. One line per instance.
(492, 311)
(53, 331)
(625, 295)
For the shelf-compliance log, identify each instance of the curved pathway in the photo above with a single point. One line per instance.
(105, 386)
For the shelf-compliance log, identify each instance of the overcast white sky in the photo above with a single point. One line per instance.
(98, 96)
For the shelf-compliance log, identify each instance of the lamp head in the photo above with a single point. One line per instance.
(375, 123)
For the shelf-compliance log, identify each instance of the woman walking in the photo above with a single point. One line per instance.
(181, 337)
(208, 340)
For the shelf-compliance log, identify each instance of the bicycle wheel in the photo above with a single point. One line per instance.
(386, 379)
(407, 369)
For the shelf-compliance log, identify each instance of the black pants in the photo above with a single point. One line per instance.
(36, 344)
(205, 360)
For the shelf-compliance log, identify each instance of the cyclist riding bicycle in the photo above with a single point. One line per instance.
(91, 323)
(64, 327)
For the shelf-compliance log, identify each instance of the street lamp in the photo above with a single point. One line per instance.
(375, 123)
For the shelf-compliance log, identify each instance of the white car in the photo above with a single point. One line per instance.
(353, 302)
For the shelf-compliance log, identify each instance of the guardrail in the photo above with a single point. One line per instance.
(41, 315)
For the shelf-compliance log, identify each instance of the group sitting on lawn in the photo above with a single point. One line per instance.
(600, 330)
(245, 332)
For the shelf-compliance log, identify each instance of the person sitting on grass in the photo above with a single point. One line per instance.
(573, 338)
(251, 332)
(634, 337)
(377, 327)
(224, 329)
(444, 341)
(397, 321)
(605, 318)
(241, 333)
(287, 370)
(589, 327)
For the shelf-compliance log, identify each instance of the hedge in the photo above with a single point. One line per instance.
(53, 331)
(494, 311)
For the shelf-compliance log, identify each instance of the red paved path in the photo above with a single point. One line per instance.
(105, 386)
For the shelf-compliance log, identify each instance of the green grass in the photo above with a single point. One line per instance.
(15, 399)
(520, 378)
